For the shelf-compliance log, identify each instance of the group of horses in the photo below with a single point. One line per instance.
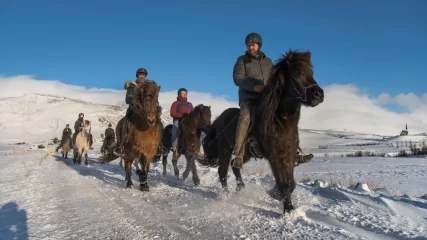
(274, 125)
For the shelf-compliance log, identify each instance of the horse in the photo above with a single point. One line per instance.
(66, 147)
(189, 131)
(81, 146)
(274, 124)
(144, 138)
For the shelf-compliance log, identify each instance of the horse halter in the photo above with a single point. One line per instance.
(301, 90)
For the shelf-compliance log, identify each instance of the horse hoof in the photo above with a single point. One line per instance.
(275, 194)
(138, 172)
(288, 208)
(86, 163)
(144, 188)
(164, 172)
(197, 183)
(240, 186)
(225, 189)
(129, 185)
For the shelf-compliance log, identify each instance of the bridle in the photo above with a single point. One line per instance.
(301, 90)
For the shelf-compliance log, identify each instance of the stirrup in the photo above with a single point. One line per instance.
(254, 148)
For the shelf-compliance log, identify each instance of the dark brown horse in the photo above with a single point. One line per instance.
(189, 131)
(144, 137)
(274, 125)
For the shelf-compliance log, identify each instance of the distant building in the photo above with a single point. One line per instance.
(404, 132)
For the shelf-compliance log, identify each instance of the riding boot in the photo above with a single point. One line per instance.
(241, 133)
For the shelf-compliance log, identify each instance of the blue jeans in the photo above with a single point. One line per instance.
(175, 133)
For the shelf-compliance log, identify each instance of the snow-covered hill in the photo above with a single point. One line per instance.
(37, 117)
(44, 196)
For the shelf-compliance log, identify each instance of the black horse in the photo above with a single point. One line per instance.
(274, 125)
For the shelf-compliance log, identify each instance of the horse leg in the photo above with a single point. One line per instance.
(187, 167)
(135, 164)
(283, 170)
(175, 165)
(128, 169)
(86, 158)
(165, 163)
(224, 162)
(145, 165)
(192, 162)
(239, 180)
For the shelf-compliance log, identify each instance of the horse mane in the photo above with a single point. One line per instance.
(287, 67)
(192, 118)
(144, 94)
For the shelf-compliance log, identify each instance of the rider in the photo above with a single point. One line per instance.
(66, 133)
(141, 75)
(178, 108)
(251, 72)
(109, 137)
(78, 128)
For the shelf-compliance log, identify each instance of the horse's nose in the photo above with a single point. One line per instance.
(151, 122)
(318, 93)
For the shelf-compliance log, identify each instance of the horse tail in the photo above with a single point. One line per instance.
(210, 147)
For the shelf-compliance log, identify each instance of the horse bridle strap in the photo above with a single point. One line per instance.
(303, 90)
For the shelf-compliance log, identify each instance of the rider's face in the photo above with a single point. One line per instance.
(183, 94)
(252, 48)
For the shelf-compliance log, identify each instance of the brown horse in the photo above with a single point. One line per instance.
(274, 124)
(144, 137)
(189, 131)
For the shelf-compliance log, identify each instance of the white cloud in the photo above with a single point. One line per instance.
(345, 107)
(19, 85)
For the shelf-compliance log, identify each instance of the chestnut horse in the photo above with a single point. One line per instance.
(274, 124)
(144, 137)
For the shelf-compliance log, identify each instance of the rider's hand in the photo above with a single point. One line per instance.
(258, 88)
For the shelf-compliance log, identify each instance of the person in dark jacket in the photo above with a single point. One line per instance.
(66, 134)
(141, 75)
(251, 72)
(78, 127)
(177, 110)
(109, 137)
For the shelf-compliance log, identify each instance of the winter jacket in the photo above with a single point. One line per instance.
(179, 107)
(66, 133)
(250, 71)
(109, 134)
(78, 124)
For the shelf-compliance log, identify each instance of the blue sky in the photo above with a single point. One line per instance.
(379, 46)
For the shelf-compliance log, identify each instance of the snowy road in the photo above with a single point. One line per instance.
(56, 199)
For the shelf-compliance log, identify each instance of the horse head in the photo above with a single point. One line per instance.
(205, 115)
(86, 128)
(145, 101)
(300, 81)
(291, 84)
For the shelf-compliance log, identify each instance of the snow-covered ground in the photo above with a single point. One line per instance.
(45, 197)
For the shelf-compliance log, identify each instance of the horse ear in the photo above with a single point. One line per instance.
(209, 107)
(308, 55)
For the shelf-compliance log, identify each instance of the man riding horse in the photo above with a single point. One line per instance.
(66, 134)
(251, 73)
(180, 107)
(141, 75)
(109, 138)
(78, 127)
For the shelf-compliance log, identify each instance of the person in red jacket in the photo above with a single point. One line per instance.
(178, 109)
